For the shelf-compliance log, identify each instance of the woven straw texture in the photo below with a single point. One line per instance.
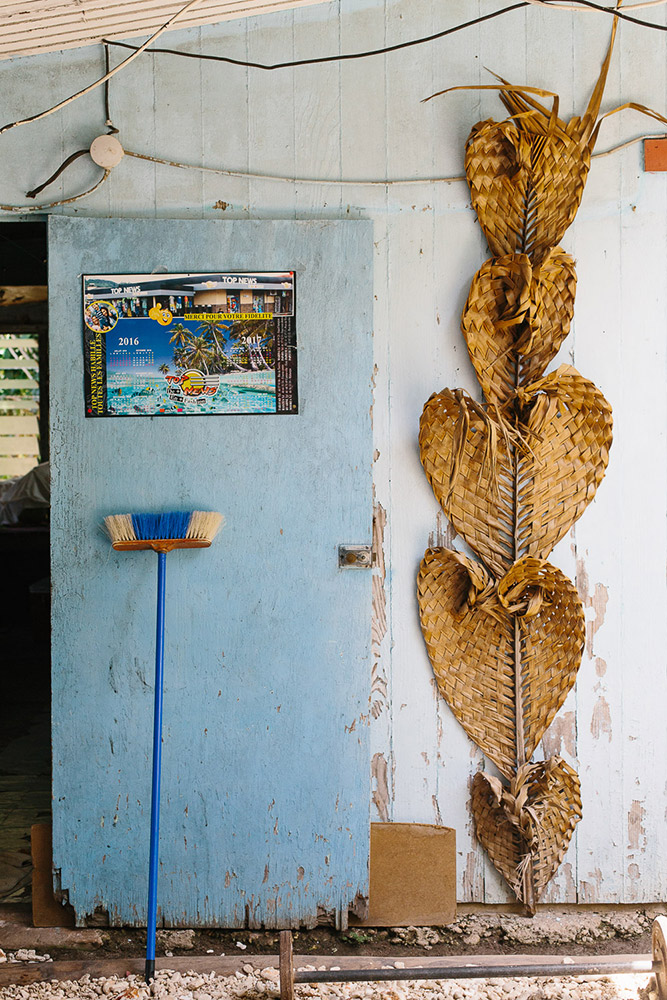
(465, 457)
(526, 185)
(515, 310)
(527, 827)
(568, 428)
(505, 635)
(527, 174)
(562, 437)
(468, 619)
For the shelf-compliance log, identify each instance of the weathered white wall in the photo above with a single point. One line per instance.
(364, 120)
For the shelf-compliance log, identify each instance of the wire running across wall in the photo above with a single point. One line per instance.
(283, 179)
(138, 50)
(587, 5)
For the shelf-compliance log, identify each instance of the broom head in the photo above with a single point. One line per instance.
(163, 532)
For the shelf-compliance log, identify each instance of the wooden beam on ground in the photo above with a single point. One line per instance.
(97, 968)
(286, 966)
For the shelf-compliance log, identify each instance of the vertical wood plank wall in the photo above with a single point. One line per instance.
(364, 120)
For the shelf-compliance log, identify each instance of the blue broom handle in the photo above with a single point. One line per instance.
(157, 763)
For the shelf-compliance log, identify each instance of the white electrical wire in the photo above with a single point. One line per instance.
(345, 182)
(244, 174)
(628, 142)
(316, 181)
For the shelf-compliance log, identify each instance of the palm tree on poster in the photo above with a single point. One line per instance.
(179, 357)
(212, 328)
(180, 335)
(198, 352)
(164, 369)
(209, 331)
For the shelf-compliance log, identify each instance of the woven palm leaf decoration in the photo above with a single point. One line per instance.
(505, 631)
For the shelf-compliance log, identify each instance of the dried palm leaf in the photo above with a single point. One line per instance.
(512, 478)
(569, 424)
(527, 173)
(525, 187)
(516, 318)
(527, 827)
(468, 462)
(504, 656)
(511, 495)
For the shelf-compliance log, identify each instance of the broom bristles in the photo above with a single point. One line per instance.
(119, 527)
(197, 524)
(204, 524)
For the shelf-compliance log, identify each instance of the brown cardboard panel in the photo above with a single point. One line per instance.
(46, 910)
(655, 154)
(413, 875)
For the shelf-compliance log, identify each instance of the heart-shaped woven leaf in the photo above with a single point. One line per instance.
(466, 459)
(526, 178)
(515, 310)
(470, 632)
(533, 819)
(568, 426)
(566, 429)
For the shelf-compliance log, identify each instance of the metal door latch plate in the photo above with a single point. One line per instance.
(355, 557)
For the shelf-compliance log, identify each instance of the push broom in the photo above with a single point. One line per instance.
(162, 533)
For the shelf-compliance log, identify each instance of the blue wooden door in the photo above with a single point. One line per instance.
(265, 796)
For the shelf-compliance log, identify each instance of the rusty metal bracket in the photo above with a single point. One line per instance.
(355, 557)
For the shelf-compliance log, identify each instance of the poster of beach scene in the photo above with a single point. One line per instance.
(190, 344)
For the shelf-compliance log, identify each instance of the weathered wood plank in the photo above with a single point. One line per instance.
(363, 155)
(8, 384)
(184, 119)
(410, 152)
(15, 445)
(317, 110)
(596, 246)
(224, 125)
(271, 133)
(19, 425)
(376, 126)
(266, 697)
(11, 295)
(643, 239)
(7, 364)
(68, 26)
(458, 251)
(10, 467)
(22, 403)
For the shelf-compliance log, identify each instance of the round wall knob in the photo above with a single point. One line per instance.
(106, 151)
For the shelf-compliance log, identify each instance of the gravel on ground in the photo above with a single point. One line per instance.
(263, 984)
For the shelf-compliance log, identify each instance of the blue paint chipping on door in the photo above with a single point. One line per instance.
(266, 783)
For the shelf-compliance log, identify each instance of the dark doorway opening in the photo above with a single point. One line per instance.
(25, 677)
